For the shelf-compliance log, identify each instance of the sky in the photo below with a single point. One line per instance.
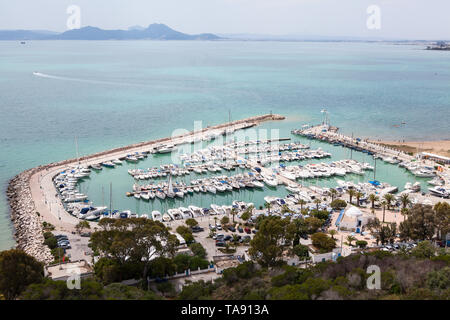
(397, 19)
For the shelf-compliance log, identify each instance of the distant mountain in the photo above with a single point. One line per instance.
(153, 32)
(26, 34)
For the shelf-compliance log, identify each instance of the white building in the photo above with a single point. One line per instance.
(353, 220)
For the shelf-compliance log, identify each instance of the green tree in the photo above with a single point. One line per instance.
(186, 233)
(136, 240)
(442, 218)
(420, 225)
(338, 204)
(266, 245)
(233, 213)
(191, 222)
(424, 250)
(333, 194)
(351, 194)
(332, 233)
(317, 201)
(373, 198)
(404, 199)
(389, 198)
(382, 232)
(17, 271)
(82, 225)
(314, 224)
(322, 242)
(361, 243)
(384, 204)
(301, 251)
(245, 215)
(350, 239)
(225, 220)
(301, 202)
(198, 250)
(358, 196)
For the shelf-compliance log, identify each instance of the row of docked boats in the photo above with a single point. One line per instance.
(132, 157)
(66, 181)
(213, 185)
(335, 168)
(234, 150)
(180, 213)
(174, 170)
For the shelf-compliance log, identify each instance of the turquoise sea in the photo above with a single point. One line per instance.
(114, 93)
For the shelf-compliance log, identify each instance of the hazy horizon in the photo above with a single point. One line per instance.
(399, 19)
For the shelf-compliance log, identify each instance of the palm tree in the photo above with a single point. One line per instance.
(317, 202)
(404, 213)
(351, 193)
(389, 198)
(301, 202)
(384, 203)
(404, 198)
(233, 213)
(350, 239)
(373, 198)
(333, 193)
(332, 233)
(358, 195)
(268, 205)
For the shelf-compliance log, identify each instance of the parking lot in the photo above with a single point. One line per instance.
(208, 243)
(79, 249)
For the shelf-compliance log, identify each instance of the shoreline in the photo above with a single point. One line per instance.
(27, 192)
(439, 147)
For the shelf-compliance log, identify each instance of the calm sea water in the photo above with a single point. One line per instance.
(114, 93)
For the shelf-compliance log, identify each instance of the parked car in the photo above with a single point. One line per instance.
(85, 234)
(232, 229)
(218, 226)
(254, 231)
(220, 236)
(220, 244)
(240, 229)
(247, 230)
(196, 229)
(247, 238)
(66, 247)
(227, 238)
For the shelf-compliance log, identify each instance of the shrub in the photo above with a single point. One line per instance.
(338, 204)
(198, 250)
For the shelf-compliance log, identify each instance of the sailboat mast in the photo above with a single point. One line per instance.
(110, 197)
(76, 148)
(351, 148)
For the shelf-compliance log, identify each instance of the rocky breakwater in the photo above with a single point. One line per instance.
(27, 223)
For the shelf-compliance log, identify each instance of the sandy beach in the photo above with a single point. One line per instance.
(441, 147)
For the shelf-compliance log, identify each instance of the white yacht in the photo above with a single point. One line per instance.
(439, 192)
(185, 212)
(156, 215)
(217, 209)
(196, 211)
